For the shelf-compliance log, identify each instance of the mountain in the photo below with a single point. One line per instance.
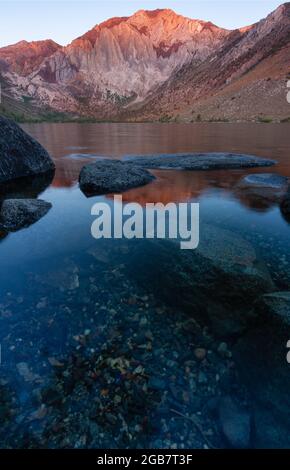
(25, 57)
(115, 63)
(245, 79)
(155, 65)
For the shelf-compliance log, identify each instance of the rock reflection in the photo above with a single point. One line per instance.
(3, 234)
(182, 186)
(30, 187)
(175, 185)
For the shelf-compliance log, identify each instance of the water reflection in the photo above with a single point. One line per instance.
(3, 234)
(29, 187)
(176, 185)
(120, 139)
(66, 141)
(92, 358)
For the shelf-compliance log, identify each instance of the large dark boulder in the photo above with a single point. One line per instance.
(20, 154)
(20, 213)
(108, 176)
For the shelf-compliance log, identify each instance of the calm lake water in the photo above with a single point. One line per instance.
(90, 356)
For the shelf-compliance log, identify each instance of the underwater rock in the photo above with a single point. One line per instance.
(199, 161)
(107, 176)
(20, 154)
(235, 423)
(261, 357)
(64, 276)
(262, 189)
(20, 213)
(265, 180)
(285, 206)
(276, 307)
(215, 283)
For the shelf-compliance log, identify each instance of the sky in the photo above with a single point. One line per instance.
(64, 20)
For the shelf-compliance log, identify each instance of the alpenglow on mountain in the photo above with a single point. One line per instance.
(155, 65)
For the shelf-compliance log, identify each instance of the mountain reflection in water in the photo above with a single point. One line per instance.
(64, 141)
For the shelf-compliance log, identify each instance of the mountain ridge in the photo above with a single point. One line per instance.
(258, 46)
(147, 66)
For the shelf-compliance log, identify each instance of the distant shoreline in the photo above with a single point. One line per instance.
(159, 121)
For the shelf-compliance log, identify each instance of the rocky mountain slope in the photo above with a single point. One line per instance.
(115, 63)
(25, 57)
(157, 65)
(245, 79)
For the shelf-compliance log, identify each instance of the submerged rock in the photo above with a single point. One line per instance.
(276, 307)
(64, 277)
(235, 423)
(20, 154)
(199, 161)
(107, 176)
(262, 189)
(216, 282)
(20, 213)
(265, 180)
(285, 206)
(261, 356)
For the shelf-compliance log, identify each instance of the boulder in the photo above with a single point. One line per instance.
(217, 282)
(261, 357)
(199, 161)
(20, 154)
(110, 176)
(265, 180)
(262, 189)
(20, 213)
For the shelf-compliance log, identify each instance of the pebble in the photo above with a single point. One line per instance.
(157, 383)
(200, 353)
(223, 350)
(202, 378)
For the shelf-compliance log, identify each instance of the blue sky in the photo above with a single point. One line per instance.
(64, 20)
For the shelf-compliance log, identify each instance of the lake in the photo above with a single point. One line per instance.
(98, 346)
